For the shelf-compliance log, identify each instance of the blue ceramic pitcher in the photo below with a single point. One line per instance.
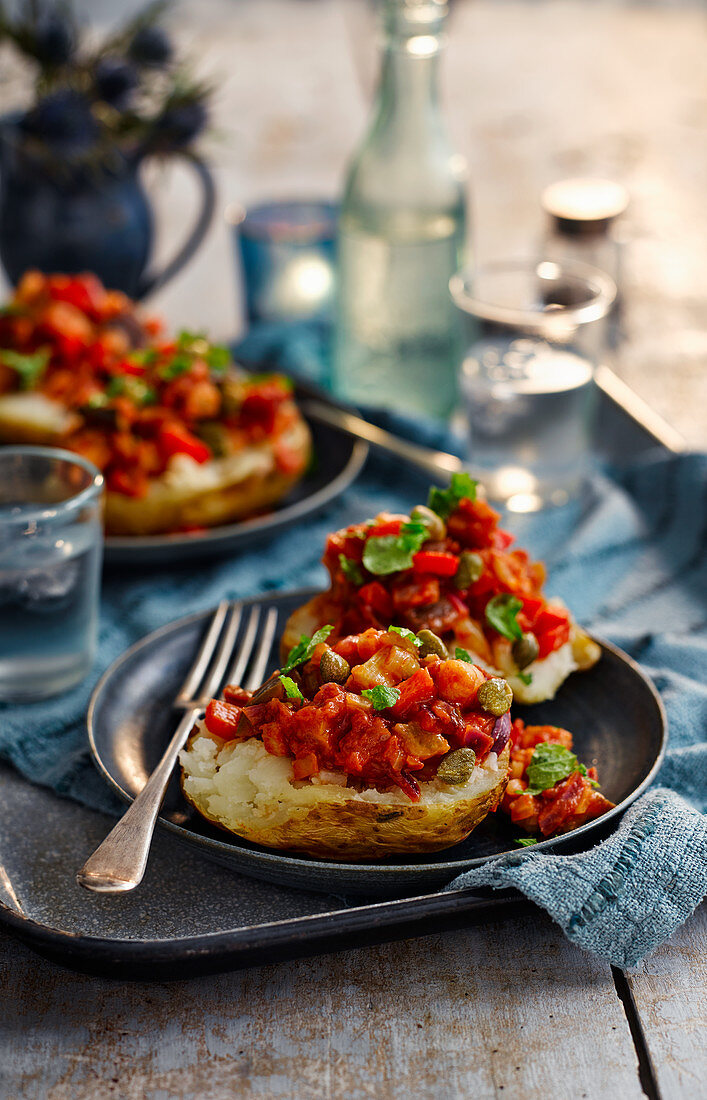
(86, 219)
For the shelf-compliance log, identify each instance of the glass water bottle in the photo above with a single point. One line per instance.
(401, 232)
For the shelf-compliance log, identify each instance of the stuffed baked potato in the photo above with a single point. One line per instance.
(184, 439)
(372, 747)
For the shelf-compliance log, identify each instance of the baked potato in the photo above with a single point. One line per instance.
(323, 765)
(448, 566)
(183, 437)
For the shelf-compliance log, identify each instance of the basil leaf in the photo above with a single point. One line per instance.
(446, 501)
(351, 570)
(384, 554)
(501, 614)
(180, 364)
(143, 357)
(305, 648)
(405, 633)
(125, 385)
(526, 841)
(291, 689)
(549, 764)
(381, 696)
(29, 368)
(463, 655)
(525, 677)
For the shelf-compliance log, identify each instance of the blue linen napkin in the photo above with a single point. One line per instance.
(630, 561)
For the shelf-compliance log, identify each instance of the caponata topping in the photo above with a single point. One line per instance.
(525, 650)
(456, 766)
(434, 523)
(333, 669)
(471, 568)
(432, 644)
(495, 696)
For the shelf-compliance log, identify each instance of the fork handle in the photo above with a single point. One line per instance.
(118, 864)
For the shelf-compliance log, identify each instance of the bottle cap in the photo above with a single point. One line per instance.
(584, 206)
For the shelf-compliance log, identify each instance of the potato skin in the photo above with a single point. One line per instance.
(356, 830)
(159, 512)
(166, 510)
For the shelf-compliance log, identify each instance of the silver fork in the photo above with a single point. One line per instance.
(118, 864)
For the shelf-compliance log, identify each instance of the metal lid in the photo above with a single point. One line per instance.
(584, 206)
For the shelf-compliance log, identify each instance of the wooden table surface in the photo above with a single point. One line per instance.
(534, 91)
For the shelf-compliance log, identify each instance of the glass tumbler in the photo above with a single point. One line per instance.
(535, 332)
(51, 544)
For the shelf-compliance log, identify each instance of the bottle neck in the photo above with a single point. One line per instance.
(408, 94)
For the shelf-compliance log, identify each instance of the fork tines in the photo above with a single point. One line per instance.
(222, 659)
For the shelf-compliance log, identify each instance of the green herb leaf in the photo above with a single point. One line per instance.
(405, 633)
(29, 368)
(291, 689)
(463, 655)
(381, 696)
(143, 357)
(218, 358)
(384, 554)
(525, 677)
(549, 764)
(180, 364)
(305, 648)
(446, 501)
(137, 391)
(501, 614)
(351, 570)
(526, 841)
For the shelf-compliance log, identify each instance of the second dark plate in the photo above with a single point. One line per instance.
(613, 710)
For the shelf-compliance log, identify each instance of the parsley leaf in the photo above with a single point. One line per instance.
(525, 677)
(218, 358)
(381, 696)
(143, 357)
(305, 648)
(446, 501)
(501, 614)
(463, 655)
(180, 364)
(405, 633)
(29, 368)
(351, 570)
(526, 841)
(125, 385)
(384, 554)
(291, 689)
(548, 765)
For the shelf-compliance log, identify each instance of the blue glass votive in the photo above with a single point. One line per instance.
(286, 251)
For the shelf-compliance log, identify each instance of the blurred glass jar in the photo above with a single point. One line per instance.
(582, 223)
(535, 336)
(286, 254)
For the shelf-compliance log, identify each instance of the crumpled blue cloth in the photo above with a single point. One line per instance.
(630, 561)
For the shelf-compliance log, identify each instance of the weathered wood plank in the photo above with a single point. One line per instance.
(498, 1011)
(670, 994)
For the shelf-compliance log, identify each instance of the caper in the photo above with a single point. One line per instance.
(470, 569)
(333, 669)
(525, 650)
(495, 696)
(434, 523)
(432, 644)
(456, 766)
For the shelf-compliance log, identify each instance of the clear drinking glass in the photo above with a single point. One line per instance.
(536, 330)
(51, 544)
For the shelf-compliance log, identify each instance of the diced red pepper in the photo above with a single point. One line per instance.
(385, 527)
(222, 719)
(175, 439)
(417, 689)
(438, 562)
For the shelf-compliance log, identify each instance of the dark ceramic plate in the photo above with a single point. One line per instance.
(338, 462)
(613, 710)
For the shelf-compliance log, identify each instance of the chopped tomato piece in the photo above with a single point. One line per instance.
(222, 719)
(174, 439)
(305, 766)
